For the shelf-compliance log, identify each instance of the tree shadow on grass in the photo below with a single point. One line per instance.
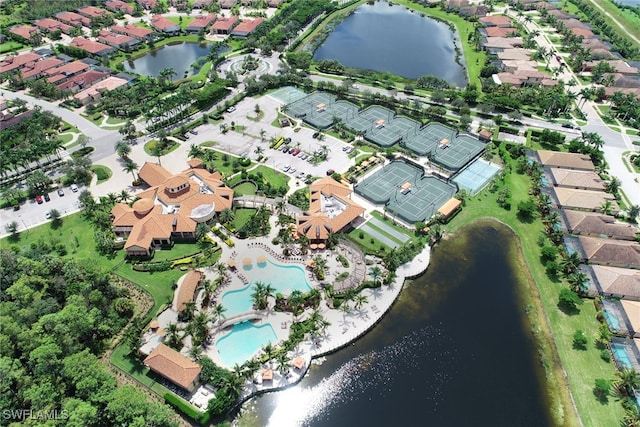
(602, 398)
(568, 310)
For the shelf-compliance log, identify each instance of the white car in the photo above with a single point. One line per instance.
(47, 215)
(292, 171)
(74, 188)
(286, 168)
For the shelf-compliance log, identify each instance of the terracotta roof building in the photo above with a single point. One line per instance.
(92, 93)
(498, 31)
(173, 366)
(556, 159)
(119, 6)
(92, 12)
(170, 209)
(119, 41)
(597, 225)
(187, 287)
(131, 30)
(616, 282)
(24, 31)
(579, 179)
(73, 19)
(330, 210)
(50, 25)
(201, 23)
(162, 24)
(224, 25)
(82, 81)
(585, 200)
(34, 70)
(615, 253)
(449, 208)
(147, 4)
(14, 62)
(94, 48)
(496, 21)
(247, 27)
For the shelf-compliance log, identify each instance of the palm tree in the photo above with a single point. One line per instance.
(217, 313)
(259, 296)
(124, 196)
(173, 334)
(268, 350)
(571, 262)
(221, 269)
(606, 207)
(360, 300)
(613, 185)
(627, 380)
(131, 167)
(376, 273)
(226, 216)
(263, 133)
(578, 282)
(259, 150)
(188, 311)
(195, 352)
(633, 212)
(122, 149)
(282, 360)
(195, 151)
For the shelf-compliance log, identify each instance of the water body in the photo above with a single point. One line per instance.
(455, 350)
(178, 56)
(633, 3)
(392, 39)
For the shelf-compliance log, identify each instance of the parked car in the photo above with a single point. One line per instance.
(315, 134)
(231, 109)
(193, 131)
(74, 188)
(303, 156)
(60, 192)
(287, 141)
(295, 152)
(39, 199)
(567, 125)
(47, 198)
(330, 172)
(286, 168)
(292, 171)
(285, 149)
(47, 215)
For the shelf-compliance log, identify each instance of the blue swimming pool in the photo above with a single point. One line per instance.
(621, 356)
(612, 321)
(283, 278)
(244, 340)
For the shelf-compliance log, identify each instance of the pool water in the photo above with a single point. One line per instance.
(612, 321)
(244, 340)
(283, 278)
(621, 356)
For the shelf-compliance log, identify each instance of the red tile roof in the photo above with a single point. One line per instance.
(132, 30)
(115, 39)
(73, 18)
(83, 80)
(13, 62)
(174, 366)
(161, 23)
(202, 21)
(24, 31)
(248, 26)
(36, 68)
(92, 11)
(89, 45)
(224, 24)
(187, 289)
(48, 24)
(117, 5)
(496, 20)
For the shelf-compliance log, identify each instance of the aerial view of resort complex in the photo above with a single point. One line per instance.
(320, 213)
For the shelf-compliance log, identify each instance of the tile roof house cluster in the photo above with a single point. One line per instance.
(246, 27)
(131, 30)
(15, 62)
(171, 208)
(119, 6)
(50, 25)
(330, 210)
(90, 46)
(65, 71)
(201, 23)
(147, 4)
(606, 245)
(73, 19)
(164, 25)
(117, 40)
(25, 32)
(34, 70)
(224, 25)
(93, 93)
(83, 81)
(174, 366)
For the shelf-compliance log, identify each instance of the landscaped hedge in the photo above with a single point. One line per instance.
(186, 409)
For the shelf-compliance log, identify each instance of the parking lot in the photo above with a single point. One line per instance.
(32, 213)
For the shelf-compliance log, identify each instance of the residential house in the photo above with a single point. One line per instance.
(579, 179)
(8, 119)
(14, 62)
(187, 288)
(202, 4)
(584, 200)
(131, 30)
(246, 27)
(496, 21)
(224, 25)
(92, 12)
(49, 25)
(119, 6)
(619, 66)
(518, 54)
(34, 70)
(164, 25)
(557, 159)
(498, 31)
(201, 23)
(173, 366)
(614, 281)
(597, 225)
(227, 4)
(82, 81)
(574, 23)
(609, 91)
(64, 72)
(501, 43)
(92, 47)
(274, 3)
(94, 92)
(73, 19)
(610, 252)
(119, 41)
(148, 4)
(559, 14)
(171, 208)
(25, 32)
(585, 33)
(331, 210)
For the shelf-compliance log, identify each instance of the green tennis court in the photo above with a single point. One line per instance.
(405, 191)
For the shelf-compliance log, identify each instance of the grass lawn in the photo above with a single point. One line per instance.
(242, 216)
(102, 172)
(66, 137)
(179, 250)
(277, 179)
(149, 146)
(10, 46)
(551, 326)
(223, 162)
(121, 359)
(629, 21)
(632, 132)
(370, 244)
(245, 189)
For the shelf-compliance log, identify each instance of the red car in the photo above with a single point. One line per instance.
(39, 199)
(295, 152)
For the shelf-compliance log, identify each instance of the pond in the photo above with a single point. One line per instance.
(178, 56)
(393, 39)
(454, 350)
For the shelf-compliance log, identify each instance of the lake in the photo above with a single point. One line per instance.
(455, 350)
(392, 39)
(178, 56)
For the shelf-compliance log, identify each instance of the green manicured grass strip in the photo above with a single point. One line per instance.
(368, 242)
(245, 189)
(384, 233)
(103, 173)
(242, 216)
(277, 179)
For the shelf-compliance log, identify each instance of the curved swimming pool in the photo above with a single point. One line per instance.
(284, 279)
(244, 340)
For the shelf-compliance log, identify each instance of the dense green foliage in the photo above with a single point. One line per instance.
(58, 316)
